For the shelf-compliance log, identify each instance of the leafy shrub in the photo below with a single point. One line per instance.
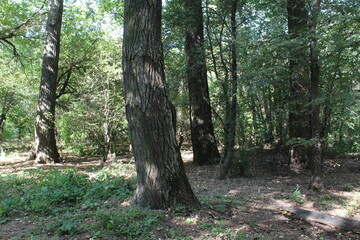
(105, 187)
(296, 195)
(129, 222)
(58, 187)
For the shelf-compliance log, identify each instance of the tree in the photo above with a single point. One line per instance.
(299, 112)
(231, 130)
(45, 141)
(161, 178)
(15, 25)
(8, 99)
(316, 155)
(202, 131)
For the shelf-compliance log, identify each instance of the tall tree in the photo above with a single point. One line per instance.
(231, 131)
(316, 156)
(161, 181)
(45, 141)
(299, 111)
(202, 131)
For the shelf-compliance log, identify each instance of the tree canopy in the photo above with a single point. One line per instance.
(90, 117)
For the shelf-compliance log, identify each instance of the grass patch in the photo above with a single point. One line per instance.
(129, 222)
(52, 191)
(64, 203)
(352, 205)
(296, 195)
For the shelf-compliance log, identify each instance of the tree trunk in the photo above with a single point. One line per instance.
(316, 157)
(224, 168)
(107, 125)
(161, 178)
(269, 122)
(299, 110)
(2, 123)
(280, 113)
(202, 131)
(45, 142)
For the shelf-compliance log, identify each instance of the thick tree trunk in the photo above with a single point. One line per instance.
(224, 168)
(299, 110)
(45, 141)
(202, 131)
(316, 157)
(161, 178)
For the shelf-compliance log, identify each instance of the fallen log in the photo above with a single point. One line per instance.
(324, 218)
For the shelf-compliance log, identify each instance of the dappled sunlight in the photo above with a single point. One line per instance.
(234, 207)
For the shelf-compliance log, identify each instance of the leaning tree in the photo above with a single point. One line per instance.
(161, 178)
(45, 141)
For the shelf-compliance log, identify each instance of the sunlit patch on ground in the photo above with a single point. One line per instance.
(235, 207)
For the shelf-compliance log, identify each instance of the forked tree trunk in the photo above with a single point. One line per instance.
(45, 141)
(224, 168)
(202, 131)
(299, 110)
(161, 178)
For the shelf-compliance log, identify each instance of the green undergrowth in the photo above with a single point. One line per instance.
(45, 193)
(67, 204)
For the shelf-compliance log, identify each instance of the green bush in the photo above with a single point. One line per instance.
(128, 222)
(44, 193)
(106, 187)
(58, 187)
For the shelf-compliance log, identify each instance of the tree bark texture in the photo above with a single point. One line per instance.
(316, 156)
(161, 178)
(299, 110)
(45, 142)
(202, 131)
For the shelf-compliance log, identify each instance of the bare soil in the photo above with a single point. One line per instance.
(252, 205)
(256, 202)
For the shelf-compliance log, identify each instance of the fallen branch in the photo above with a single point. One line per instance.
(324, 218)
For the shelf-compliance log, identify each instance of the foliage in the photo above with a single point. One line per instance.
(133, 223)
(90, 111)
(296, 195)
(48, 192)
(91, 58)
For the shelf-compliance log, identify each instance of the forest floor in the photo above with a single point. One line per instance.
(236, 208)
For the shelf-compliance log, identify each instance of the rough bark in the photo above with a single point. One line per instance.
(161, 178)
(45, 141)
(299, 110)
(224, 168)
(202, 131)
(316, 156)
